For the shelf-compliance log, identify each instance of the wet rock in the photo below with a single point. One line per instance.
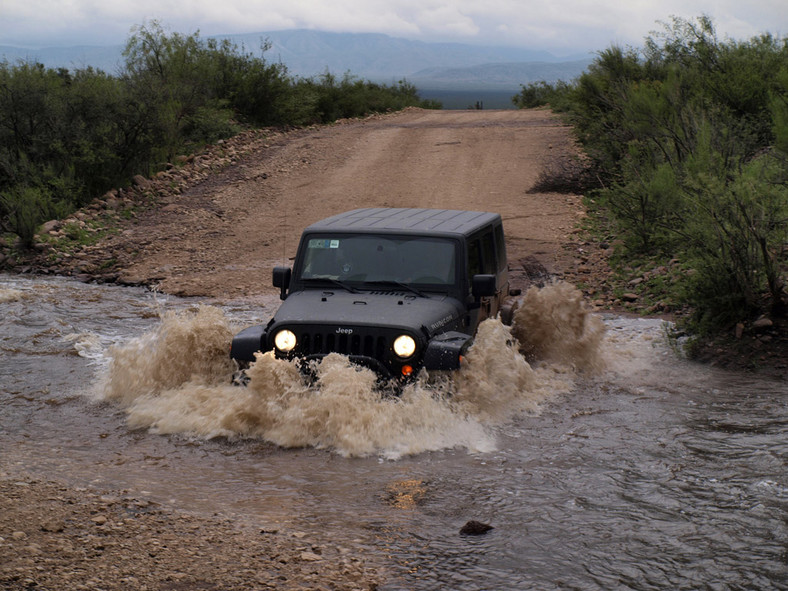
(475, 528)
(108, 278)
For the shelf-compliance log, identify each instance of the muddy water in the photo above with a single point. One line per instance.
(606, 462)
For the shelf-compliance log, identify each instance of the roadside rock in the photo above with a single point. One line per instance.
(51, 226)
(140, 181)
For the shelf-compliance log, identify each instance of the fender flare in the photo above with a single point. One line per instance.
(444, 350)
(248, 342)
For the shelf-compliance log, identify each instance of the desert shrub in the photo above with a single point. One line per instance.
(25, 208)
(688, 137)
(542, 93)
(330, 98)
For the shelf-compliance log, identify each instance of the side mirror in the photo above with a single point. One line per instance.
(282, 280)
(484, 286)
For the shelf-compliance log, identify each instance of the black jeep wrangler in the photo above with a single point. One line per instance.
(395, 290)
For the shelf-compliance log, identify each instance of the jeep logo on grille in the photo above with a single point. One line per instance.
(341, 330)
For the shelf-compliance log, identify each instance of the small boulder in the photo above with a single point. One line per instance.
(51, 226)
(53, 526)
(140, 181)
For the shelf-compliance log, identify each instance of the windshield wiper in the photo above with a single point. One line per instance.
(391, 283)
(330, 280)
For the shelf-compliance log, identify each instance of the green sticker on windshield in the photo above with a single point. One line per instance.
(323, 243)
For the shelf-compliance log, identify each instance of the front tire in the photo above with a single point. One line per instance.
(240, 377)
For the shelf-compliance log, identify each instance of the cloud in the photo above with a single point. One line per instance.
(527, 23)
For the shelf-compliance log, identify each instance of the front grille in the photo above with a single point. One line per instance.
(369, 346)
(325, 341)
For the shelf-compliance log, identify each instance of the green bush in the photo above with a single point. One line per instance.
(25, 208)
(541, 93)
(688, 137)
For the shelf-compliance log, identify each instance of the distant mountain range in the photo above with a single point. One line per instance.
(380, 58)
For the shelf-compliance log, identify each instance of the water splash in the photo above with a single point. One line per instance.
(554, 324)
(176, 379)
(8, 295)
(88, 345)
(187, 348)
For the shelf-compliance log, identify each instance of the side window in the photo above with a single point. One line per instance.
(474, 257)
(500, 248)
(481, 254)
(488, 253)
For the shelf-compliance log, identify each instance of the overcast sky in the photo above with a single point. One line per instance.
(560, 26)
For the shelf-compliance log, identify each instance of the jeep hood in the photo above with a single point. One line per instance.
(387, 309)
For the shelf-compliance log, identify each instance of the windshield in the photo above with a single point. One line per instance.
(375, 259)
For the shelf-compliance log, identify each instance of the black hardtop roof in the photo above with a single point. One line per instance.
(407, 220)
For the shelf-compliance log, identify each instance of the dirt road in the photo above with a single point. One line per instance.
(222, 237)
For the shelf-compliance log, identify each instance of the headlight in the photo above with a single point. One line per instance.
(404, 346)
(285, 341)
